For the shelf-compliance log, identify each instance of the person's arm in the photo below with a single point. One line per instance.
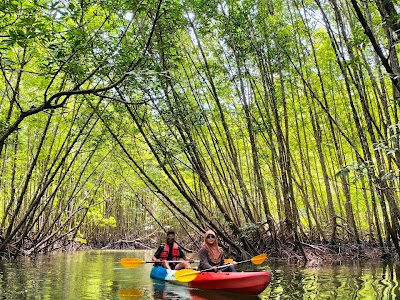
(191, 260)
(156, 257)
(203, 255)
(183, 256)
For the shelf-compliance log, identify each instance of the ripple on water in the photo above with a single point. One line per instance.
(352, 281)
(98, 275)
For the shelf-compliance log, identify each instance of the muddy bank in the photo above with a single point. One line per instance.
(318, 254)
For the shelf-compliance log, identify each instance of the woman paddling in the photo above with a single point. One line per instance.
(211, 255)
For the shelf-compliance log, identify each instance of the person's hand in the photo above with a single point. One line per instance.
(215, 269)
(234, 263)
(157, 260)
(191, 260)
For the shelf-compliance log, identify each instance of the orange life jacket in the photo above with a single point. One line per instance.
(165, 252)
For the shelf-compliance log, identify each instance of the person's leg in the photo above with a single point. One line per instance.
(183, 265)
(165, 264)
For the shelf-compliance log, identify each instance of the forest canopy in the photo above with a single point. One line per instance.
(268, 121)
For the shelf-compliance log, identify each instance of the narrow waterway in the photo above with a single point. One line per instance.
(99, 275)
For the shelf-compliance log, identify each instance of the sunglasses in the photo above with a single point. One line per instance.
(211, 236)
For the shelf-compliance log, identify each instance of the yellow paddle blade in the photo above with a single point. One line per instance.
(132, 262)
(228, 260)
(186, 275)
(130, 294)
(259, 259)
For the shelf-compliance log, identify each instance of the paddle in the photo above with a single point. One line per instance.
(187, 275)
(136, 262)
(128, 262)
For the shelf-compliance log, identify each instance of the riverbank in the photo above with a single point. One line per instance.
(317, 254)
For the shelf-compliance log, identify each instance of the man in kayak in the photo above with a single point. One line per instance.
(211, 256)
(169, 252)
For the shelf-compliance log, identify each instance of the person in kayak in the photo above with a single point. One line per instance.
(211, 255)
(170, 251)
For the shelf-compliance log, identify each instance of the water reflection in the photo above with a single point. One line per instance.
(348, 281)
(130, 294)
(168, 291)
(98, 275)
(210, 295)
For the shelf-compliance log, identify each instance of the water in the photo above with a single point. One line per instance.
(98, 275)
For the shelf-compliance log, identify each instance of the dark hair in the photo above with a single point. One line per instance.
(170, 232)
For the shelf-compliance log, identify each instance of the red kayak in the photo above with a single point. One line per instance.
(249, 283)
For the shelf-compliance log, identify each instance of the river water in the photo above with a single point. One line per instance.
(99, 275)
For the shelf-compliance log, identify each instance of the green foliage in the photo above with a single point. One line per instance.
(80, 238)
(229, 102)
(96, 217)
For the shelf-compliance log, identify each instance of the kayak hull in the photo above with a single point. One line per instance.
(249, 283)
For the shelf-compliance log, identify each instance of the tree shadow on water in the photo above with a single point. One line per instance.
(167, 291)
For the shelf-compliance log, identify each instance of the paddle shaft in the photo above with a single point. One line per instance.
(135, 262)
(187, 275)
(195, 261)
(224, 266)
(219, 267)
(171, 261)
